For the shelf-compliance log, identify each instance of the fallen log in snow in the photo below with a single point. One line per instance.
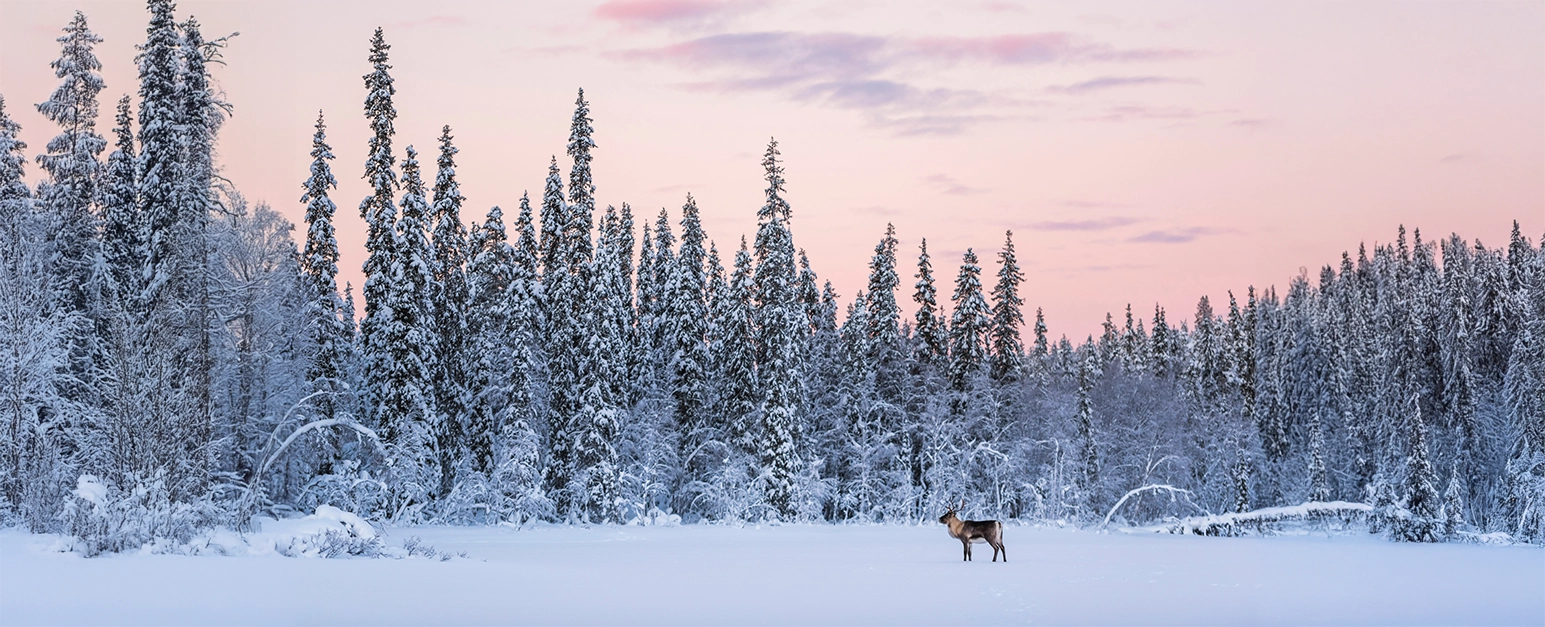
(1260, 520)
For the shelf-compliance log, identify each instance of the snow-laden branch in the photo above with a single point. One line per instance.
(311, 426)
(1156, 486)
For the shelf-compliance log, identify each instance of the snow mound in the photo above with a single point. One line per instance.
(330, 532)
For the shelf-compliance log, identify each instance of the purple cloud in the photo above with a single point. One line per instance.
(1175, 236)
(1036, 48)
(1093, 224)
(636, 13)
(854, 71)
(948, 185)
(1106, 82)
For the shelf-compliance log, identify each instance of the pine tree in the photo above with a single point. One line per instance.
(1319, 479)
(737, 363)
(380, 214)
(968, 326)
(1041, 347)
(931, 330)
(584, 420)
(159, 167)
(657, 329)
(319, 261)
(1088, 453)
(779, 320)
(408, 415)
(1007, 349)
(72, 164)
(122, 242)
(496, 382)
(1454, 504)
(448, 295)
(554, 220)
(883, 318)
(688, 311)
(13, 166)
(1423, 521)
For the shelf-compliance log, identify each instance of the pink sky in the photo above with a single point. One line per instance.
(1142, 152)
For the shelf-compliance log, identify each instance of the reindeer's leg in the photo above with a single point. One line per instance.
(966, 555)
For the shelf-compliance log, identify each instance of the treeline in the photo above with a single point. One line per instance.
(169, 359)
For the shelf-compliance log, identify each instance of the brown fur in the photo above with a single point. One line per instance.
(990, 531)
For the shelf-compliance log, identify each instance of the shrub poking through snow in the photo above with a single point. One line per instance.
(104, 519)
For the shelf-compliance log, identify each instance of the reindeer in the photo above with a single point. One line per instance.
(968, 531)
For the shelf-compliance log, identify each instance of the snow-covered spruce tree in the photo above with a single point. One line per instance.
(503, 442)
(491, 301)
(810, 300)
(118, 191)
(968, 328)
(1319, 478)
(1419, 518)
(1007, 350)
(625, 316)
(159, 168)
(688, 310)
(656, 345)
(577, 388)
(931, 331)
(170, 330)
(518, 450)
(883, 320)
(1524, 389)
(554, 218)
(379, 211)
(329, 332)
(72, 164)
(779, 321)
(598, 422)
(407, 412)
(736, 360)
(1458, 347)
(1088, 451)
(448, 297)
(1453, 513)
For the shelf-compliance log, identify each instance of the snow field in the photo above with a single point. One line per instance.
(790, 575)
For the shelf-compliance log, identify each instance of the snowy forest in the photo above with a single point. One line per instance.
(173, 359)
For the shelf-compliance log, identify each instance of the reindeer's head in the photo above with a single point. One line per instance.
(950, 516)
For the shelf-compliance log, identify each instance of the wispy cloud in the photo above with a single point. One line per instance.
(1092, 224)
(1128, 112)
(1037, 48)
(672, 13)
(877, 210)
(1091, 204)
(948, 185)
(1454, 158)
(877, 74)
(1176, 236)
(1107, 82)
(1250, 123)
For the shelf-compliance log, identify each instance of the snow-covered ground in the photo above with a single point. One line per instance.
(790, 575)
